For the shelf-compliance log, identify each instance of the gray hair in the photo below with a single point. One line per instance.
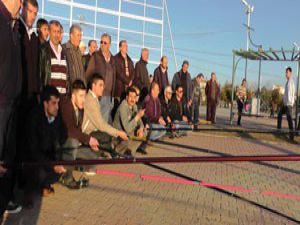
(106, 35)
(167, 88)
(75, 27)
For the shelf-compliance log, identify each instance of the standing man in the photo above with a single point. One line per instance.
(124, 73)
(141, 79)
(53, 61)
(241, 95)
(42, 30)
(10, 90)
(288, 102)
(92, 45)
(103, 63)
(212, 91)
(196, 97)
(161, 74)
(73, 54)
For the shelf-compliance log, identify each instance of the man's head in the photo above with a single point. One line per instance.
(288, 73)
(50, 99)
(138, 93)
(123, 46)
(55, 32)
(82, 48)
(75, 35)
(199, 78)
(145, 54)
(185, 66)
(29, 12)
(61, 33)
(131, 96)
(43, 29)
(179, 92)
(97, 84)
(154, 90)
(92, 46)
(78, 94)
(105, 42)
(13, 6)
(168, 92)
(164, 62)
(244, 82)
(213, 76)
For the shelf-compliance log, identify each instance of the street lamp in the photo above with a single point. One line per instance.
(249, 10)
(297, 126)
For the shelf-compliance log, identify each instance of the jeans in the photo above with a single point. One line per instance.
(288, 110)
(156, 134)
(181, 125)
(107, 105)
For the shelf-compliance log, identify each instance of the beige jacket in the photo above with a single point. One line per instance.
(93, 120)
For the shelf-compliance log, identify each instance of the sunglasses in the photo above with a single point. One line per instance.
(104, 43)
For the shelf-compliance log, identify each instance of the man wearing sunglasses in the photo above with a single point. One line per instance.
(103, 63)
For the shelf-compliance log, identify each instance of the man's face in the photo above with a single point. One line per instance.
(145, 55)
(124, 48)
(185, 68)
(288, 74)
(29, 13)
(198, 79)
(213, 77)
(164, 63)
(131, 99)
(155, 91)
(93, 47)
(168, 94)
(44, 32)
(105, 44)
(76, 37)
(179, 93)
(51, 107)
(55, 34)
(61, 35)
(79, 98)
(98, 88)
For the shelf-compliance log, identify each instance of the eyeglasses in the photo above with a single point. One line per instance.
(104, 43)
(180, 92)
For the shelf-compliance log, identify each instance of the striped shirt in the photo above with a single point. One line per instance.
(59, 77)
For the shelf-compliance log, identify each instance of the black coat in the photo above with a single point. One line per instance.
(141, 79)
(165, 108)
(10, 62)
(30, 62)
(175, 109)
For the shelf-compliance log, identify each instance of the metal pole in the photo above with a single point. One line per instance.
(248, 34)
(119, 24)
(258, 90)
(162, 28)
(297, 125)
(232, 90)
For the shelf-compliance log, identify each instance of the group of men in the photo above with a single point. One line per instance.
(58, 104)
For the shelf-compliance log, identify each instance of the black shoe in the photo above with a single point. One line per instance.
(141, 151)
(104, 155)
(128, 154)
(84, 182)
(13, 208)
(72, 184)
(114, 154)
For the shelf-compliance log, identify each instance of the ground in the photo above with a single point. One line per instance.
(190, 193)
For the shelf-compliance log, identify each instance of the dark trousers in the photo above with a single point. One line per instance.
(195, 111)
(6, 190)
(240, 105)
(211, 110)
(288, 110)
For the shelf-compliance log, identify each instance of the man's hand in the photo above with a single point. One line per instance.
(169, 119)
(2, 170)
(130, 84)
(162, 121)
(140, 114)
(123, 135)
(94, 144)
(184, 118)
(59, 169)
(140, 132)
(190, 102)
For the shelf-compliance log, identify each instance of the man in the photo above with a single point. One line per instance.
(10, 90)
(92, 45)
(179, 112)
(212, 91)
(43, 135)
(73, 54)
(125, 72)
(288, 102)
(103, 63)
(165, 101)
(141, 79)
(42, 30)
(161, 74)
(153, 113)
(82, 48)
(53, 61)
(93, 122)
(241, 95)
(183, 78)
(129, 119)
(196, 97)
(78, 144)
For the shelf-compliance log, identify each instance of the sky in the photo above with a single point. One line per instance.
(205, 32)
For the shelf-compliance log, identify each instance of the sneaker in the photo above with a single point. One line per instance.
(128, 154)
(13, 208)
(72, 184)
(84, 182)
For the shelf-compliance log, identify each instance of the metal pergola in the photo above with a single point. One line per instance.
(265, 55)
